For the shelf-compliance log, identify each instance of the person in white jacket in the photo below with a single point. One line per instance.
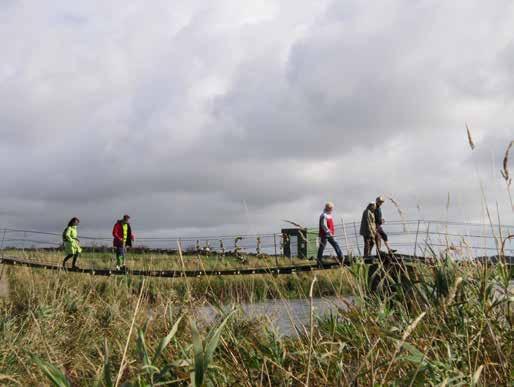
(327, 233)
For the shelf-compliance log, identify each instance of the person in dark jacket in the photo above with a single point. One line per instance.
(327, 232)
(369, 228)
(379, 220)
(71, 244)
(123, 238)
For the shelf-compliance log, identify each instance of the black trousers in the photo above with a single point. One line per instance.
(74, 256)
(322, 244)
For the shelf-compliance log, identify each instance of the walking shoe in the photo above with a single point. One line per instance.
(117, 268)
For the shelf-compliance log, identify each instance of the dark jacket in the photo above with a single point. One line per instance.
(368, 225)
(117, 233)
(379, 220)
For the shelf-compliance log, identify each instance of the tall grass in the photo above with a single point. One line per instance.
(445, 324)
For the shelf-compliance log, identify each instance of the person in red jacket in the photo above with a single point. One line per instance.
(123, 237)
(327, 232)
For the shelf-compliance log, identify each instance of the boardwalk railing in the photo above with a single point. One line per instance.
(414, 237)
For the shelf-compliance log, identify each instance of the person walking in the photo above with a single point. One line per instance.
(379, 221)
(123, 238)
(327, 232)
(71, 242)
(369, 228)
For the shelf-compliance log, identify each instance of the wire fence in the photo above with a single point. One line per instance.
(415, 237)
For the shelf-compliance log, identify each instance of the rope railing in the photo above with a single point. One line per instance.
(403, 235)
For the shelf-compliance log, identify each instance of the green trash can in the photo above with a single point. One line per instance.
(300, 242)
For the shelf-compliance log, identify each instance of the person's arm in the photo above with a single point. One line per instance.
(115, 233)
(67, 235)
(324, 225)
(371, 224)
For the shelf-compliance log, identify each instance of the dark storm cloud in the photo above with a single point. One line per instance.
(209, 118)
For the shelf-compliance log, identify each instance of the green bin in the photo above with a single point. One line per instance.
(300, 242)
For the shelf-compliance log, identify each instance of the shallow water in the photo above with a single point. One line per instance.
(288, 317)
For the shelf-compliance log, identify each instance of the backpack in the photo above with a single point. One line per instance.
(64, 239)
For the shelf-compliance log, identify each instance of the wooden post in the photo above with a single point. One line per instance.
(357, 238)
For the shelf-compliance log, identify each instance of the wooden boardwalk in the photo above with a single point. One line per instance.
(275, 270)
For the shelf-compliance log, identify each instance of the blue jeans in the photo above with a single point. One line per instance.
(323, 243)
(120, 255)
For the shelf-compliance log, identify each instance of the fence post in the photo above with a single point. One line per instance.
(416, 242)
(357, 238)
(348, 251)
(275, 243)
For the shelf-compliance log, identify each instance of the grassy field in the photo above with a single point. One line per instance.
(446, 324)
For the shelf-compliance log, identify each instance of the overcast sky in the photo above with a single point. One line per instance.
(202, 117)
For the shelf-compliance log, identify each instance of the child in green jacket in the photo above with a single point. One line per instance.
(70, 240)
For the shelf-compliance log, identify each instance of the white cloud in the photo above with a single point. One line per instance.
(177, 113)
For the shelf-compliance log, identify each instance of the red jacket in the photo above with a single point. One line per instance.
(117, 233)
(326, 225)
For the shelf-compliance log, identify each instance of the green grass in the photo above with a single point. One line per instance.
(444, 324)
(153, 260)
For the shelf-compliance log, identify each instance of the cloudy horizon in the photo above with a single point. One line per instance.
(203, 119)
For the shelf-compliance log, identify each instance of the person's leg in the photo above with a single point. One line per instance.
(122, 257)
(391, 251)
(379, 238)
(66, 258)
(386, 242)
(336, 247)
(119, 257)
(74, 263)
(382, 236)
(366, 247)
(321, 248)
